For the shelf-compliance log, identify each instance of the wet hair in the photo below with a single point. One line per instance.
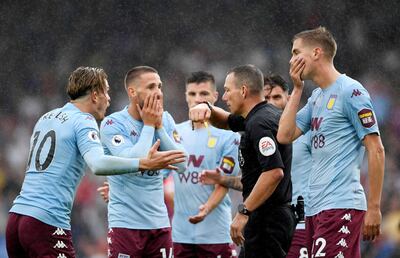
(135, 72)
(84, 80)
(250, 76)
(320, 36)
(201, 76)
(275, 80)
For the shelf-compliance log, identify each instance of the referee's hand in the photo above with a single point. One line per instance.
(237, 227)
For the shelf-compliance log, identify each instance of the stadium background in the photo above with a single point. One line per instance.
(41, 42)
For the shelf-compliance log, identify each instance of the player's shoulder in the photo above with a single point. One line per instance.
(114, 118)
(267, 117)
(77, 116)
(350, 87)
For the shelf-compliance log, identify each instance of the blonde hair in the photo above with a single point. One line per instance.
(320, 36)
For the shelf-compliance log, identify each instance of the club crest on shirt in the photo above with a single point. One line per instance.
(366, 117)
(117, 140)
(266, 146)
(212, 141)
(227, 165)
(94, 136)
(176, 136)
(331, 102)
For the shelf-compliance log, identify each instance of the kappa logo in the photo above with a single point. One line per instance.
(117, 140)
(266, 146)
(342, 243)
(109, 241)
(59, 232)
(344, 230)
(347, 217)
(60, 245)
(61, 256)
(339, 255)
(356, 93)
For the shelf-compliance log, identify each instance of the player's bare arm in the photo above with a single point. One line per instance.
(288, 131)
(216, 115)
(263, 189)
(215, 198)
(376, 166)
(212, 177)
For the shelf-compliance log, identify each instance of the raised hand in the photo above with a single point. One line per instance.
(200, 113)
(296, 70)
(210, 177)
(161, 159)
(151, 112)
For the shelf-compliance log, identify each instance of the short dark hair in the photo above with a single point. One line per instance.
(84, 80)
(249, 75)
(135, 72)
(201, 76)
(321, 36)
(275, 80)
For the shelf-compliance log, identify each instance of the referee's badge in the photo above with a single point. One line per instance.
(266, 146)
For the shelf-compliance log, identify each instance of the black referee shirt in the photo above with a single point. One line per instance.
(259, 151)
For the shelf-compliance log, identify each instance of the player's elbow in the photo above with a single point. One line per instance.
(283, 138)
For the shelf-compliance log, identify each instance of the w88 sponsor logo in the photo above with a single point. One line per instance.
(189, 177)
(318, 141)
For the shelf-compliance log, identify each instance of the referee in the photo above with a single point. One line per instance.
(265, 215)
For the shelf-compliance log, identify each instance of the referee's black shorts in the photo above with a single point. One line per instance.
(269, 232)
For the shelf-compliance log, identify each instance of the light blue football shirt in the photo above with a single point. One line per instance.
(136, 202)
(338, 117)
(60, 139)
(207, 149)
(301, 166)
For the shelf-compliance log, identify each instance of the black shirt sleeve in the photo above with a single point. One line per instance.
(266, 146)
(236, 123)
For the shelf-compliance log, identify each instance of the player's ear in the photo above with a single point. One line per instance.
(131, 91)
(94, 95)
(215, 95)
(317, 52)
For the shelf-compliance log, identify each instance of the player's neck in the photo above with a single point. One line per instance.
(326, 76)
(132, 110)
(82, 105)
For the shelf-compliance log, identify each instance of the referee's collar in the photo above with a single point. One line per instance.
(256, 108)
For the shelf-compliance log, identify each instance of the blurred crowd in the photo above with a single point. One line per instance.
(42, 42)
